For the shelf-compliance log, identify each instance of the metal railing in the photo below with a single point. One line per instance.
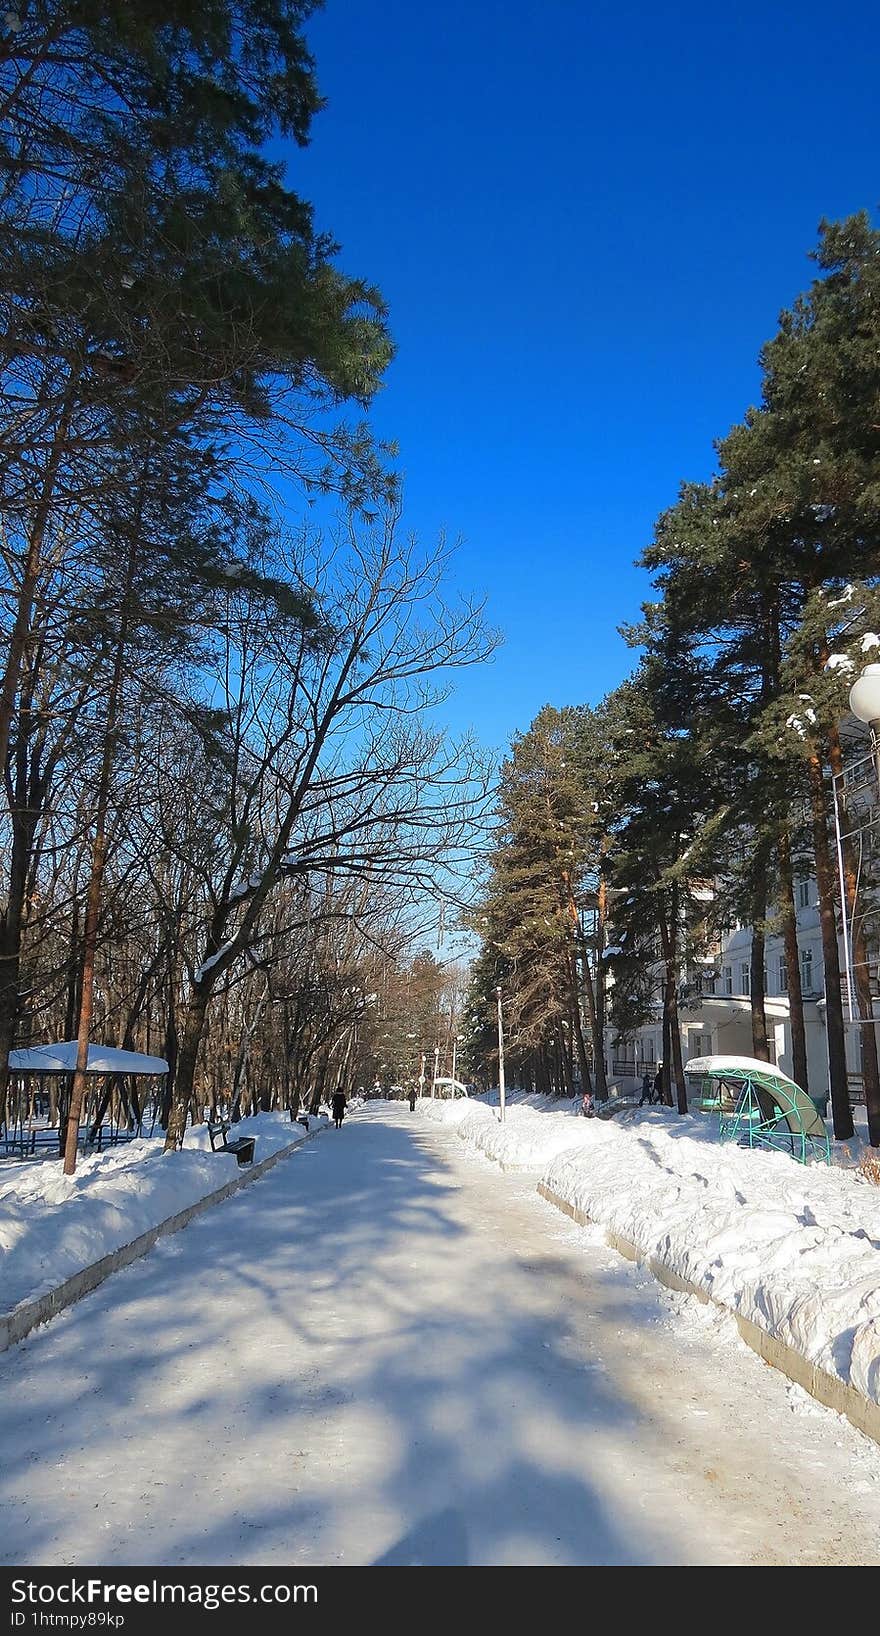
(633, 1067)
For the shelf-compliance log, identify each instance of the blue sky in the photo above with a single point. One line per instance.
(585, 219)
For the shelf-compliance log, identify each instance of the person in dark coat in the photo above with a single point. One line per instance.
(647, 1095)
(658, 1083)
(412, 1099)
(339, 1100)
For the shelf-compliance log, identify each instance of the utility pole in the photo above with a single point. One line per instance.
(454, 1045)
(436, 1060)
(500, 1055)
(422, 1075)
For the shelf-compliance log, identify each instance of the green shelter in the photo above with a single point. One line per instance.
(759, 1106)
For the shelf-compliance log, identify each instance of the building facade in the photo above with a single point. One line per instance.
(715, 1007)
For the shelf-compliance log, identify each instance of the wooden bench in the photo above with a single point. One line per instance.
(241, 1146)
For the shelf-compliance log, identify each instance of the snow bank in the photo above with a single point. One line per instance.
(521, 1143)
(51, 1225)
(528, 1139)
(795, 1249)
(445, 1111)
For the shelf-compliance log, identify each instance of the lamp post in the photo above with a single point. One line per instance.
(500, 1055)
(436, 1060)
(455, 1039)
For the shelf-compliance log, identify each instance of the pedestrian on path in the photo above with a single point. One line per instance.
(339, 1100)
(658, 1083)
(412, 1099)
(646, 1095)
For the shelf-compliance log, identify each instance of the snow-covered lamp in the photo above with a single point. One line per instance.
(864, 695)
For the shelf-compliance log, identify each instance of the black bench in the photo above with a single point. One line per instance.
(241, 1146)
(28, 1143)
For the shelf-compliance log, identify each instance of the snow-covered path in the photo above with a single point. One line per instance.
(387, 1351)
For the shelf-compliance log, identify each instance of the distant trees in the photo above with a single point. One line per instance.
(414, 1020)
(270, 824)
(538, 918)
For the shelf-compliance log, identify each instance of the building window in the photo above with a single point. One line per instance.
(803, 894)
(783, 974)
(728, 979)
(745, 978)
(807, 970)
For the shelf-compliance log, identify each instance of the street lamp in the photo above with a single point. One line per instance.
(500, 1055)
(864, 702)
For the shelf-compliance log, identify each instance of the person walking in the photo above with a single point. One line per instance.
(412, 1099)
(339, 1100)
(658, 1083)
(647, 1095)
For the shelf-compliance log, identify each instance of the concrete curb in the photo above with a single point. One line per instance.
(827, 1389)
(28, 1315)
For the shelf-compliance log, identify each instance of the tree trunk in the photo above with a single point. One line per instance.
(30, 578)
(11, 927)
(96, 877)
(792, 962)
(243, 1056)
(760, 1045)
(597, 1032)
(90, 948)
(542, 1074)
(677, 1064)
(665, 1079)
(601, 925)
(187, 1057)
(868, 1031)
(861, 972)
(567, 1078)
(583, 1061)
(668, 941)
(839, 1086)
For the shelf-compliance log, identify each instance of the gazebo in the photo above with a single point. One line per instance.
(759, 1106)
(448, 1087)
(111, 1072)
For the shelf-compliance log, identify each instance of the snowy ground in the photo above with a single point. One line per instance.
(387, 1352)
(793, 1248)
(52, 1225)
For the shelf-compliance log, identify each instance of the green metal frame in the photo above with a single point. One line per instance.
(765, 1111)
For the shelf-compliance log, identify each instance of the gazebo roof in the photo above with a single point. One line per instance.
(737, 1068)
(102, 1059)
